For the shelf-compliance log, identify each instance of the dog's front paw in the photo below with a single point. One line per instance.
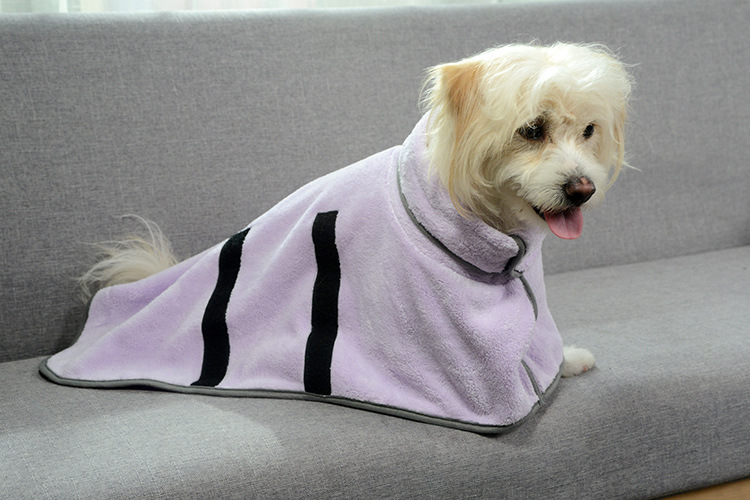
(576, 361)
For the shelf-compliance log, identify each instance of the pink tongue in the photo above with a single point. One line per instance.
(567, 225)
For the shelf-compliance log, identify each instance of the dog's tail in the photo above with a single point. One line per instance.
(138, 256)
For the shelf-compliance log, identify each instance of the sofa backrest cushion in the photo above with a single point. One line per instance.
(203, 121)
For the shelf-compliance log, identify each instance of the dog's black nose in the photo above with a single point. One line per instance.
(578, 190)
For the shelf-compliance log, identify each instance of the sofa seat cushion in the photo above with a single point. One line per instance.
(665, 410)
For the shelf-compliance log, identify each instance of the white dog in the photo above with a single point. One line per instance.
(519, 136)
(526, 135)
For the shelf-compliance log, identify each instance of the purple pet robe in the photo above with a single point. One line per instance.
(364, 288)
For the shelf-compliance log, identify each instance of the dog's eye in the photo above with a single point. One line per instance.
(588, 131)
(533, 132)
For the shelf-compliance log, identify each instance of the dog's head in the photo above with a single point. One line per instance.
(524, 135)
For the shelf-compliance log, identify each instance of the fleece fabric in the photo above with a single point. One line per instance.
(365, 288)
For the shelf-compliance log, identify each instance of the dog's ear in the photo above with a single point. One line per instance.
(620, 84)
(454, 96)
(618, 139)
(457, 86)
(461, 84)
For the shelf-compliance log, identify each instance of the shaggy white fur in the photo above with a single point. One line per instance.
(513, 125)
(131, 259)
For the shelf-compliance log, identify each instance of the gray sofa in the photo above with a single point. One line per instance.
(202, 121)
